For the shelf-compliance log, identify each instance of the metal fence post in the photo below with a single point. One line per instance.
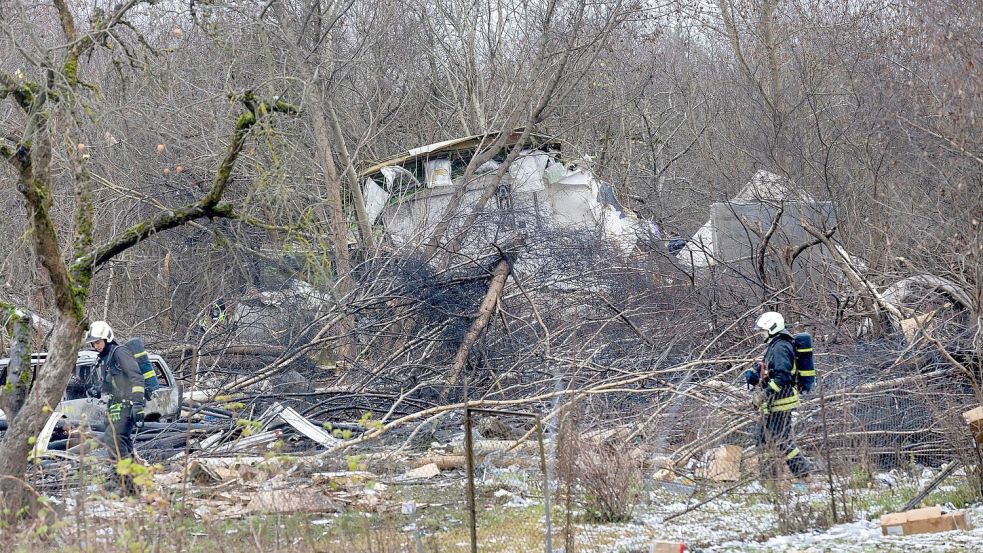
(546, 485)
(469, 460)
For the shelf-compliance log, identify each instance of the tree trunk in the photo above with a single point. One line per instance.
(17, 441)
(19, 373)
(337, 222)
(361, 217)
(499, 275)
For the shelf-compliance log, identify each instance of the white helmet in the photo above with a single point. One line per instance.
(99, 330)
(772, 322)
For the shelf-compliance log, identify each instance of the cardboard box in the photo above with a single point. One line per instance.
(909, 327)
(924, 521)
(667, 547)
(724, 465)
(974, 419)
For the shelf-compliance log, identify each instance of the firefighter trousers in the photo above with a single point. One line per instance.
(118, 436)
(776, 432)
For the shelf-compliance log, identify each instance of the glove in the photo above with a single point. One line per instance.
(93, 391)
(114, 412)
(138, 416)
(751, 377)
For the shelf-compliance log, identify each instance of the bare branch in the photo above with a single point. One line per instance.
(208, 206)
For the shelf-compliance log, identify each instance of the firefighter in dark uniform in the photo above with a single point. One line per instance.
(124, 384)
(776, 375)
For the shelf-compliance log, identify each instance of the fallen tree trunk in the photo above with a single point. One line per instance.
(499, 276)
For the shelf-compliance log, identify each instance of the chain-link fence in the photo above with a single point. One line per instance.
(521, 486)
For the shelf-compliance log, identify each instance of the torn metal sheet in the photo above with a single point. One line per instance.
(249, 442)
(44, 438)
(304, 426)
(210, 441)
(375, 199)
(540, 190)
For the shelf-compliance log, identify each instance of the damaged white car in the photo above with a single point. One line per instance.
(164, 404)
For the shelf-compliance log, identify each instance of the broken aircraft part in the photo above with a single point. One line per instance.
(410, 194)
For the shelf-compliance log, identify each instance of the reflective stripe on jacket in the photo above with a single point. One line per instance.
(780, 390)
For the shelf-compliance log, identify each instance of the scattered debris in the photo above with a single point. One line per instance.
(291, 501)
(667, 547)
(492, 446)
(203, 475)
(443, 462)
(724, 464)
(974, 418)
(424, 472)
(342, 478)
(924, 521)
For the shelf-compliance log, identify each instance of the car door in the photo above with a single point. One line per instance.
(165, 403)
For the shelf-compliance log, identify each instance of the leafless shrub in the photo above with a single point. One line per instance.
(603, 474)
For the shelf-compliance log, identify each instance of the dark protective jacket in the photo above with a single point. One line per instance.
(122, 377)
(780, 388)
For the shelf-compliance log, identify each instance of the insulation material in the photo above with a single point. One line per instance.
(375, 199)
(555, 171)
(725, 464)
(438, 172)
(527, 172)
(974, 418)
(620, 228)
(489, 166)
(698, 251)
(574, 200)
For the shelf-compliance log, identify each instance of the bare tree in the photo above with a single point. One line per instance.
(59, 93)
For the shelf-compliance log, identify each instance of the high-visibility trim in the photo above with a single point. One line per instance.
(785, 403)
(783, 408)
(808, 373)
(138, 389)
(773, 386)
(149, 374)
(787, 399)
(141, 354)
(803, 350)
(792, 454)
